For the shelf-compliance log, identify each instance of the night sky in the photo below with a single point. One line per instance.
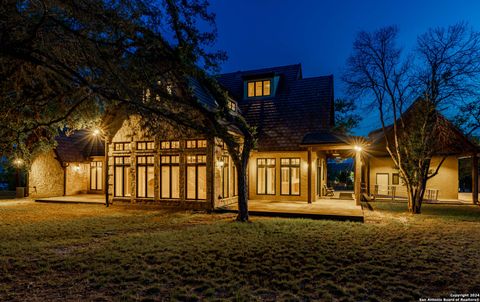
(319, 34)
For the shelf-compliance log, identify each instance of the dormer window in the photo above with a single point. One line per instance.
(258, 88)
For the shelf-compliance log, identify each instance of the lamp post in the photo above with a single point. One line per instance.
(18, 163)
(358, 173)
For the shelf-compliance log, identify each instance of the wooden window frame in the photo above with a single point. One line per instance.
(290, 166)
(95, 167)
(146, 165)
(124, 166)
(266, 166)
(170, 165)
(121, 147)
(262, 81)
(196, 164)
(397, 176)
(147, 144)
(226, 165)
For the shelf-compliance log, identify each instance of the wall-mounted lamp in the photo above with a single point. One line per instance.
(76, 168)
(18, 162)
(357, 148)
(220, 164)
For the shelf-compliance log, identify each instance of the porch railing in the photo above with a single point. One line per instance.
(397, 192)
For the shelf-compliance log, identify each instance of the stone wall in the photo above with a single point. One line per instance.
(46, 176)
(77, 178)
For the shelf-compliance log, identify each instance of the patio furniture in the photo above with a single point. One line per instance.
(328, 191)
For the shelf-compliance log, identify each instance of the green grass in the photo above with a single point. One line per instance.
(55, 252)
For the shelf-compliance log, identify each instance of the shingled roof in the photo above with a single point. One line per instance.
(300, 105)
(78, 147)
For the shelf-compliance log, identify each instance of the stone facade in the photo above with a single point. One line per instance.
(46, 176)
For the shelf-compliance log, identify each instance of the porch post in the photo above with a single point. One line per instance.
(105, 167)
(309, 173)
(475, 178)
(358, 177)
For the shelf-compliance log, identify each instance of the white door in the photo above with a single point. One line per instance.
(382, 183)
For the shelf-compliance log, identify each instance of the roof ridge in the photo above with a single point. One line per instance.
(259, 69)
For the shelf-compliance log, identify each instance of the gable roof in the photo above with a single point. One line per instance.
(452, 141)
(300, 105)
(78, 147)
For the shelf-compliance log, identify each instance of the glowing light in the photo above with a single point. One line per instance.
(76, 168)
(357, 148)
(220, 163)
(18, 162)
(96, 132)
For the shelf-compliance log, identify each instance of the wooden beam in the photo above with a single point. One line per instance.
(309, 172)
(358, 177)
(475, 178)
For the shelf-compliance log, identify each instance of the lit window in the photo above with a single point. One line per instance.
(121, 176)
(196, 180)
(259, 88)
(169, 145)
(145, 176)
(235, 180)
(225, 177)
(266, 176)
(121, 147)
(232, 105)
(290, 176)
(395, 179)
(145, 146)
(169, 176)
(196, 143)
(96, 175)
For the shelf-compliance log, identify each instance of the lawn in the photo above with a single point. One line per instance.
(58, 252)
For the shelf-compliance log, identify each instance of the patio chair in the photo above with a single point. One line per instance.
(328, 191)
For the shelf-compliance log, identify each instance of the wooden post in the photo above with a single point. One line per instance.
(358, 177)
(309, 186)
(475, 178)
(105, 167)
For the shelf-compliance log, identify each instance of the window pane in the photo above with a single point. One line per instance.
(151, 181)
(126, 184)
(141, 182)
(191, 182)
(258, 88)
(295, 181)
(270, 180)
(225, 180)
(202, 182)
(93, 178)
(261, 181)
(165, 182)
(285, 180)
(99, 176)
(118, 181)
(175, 182)
(251, 89)
(266, 87)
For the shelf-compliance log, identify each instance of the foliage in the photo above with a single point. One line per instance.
(346, 117)
(410, 92)
(72, 64)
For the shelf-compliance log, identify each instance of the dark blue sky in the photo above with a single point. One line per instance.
(319, 34)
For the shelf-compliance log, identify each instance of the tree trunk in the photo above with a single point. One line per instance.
(242, 191)
(416, 194)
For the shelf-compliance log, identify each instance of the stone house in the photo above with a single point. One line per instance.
(293, 116)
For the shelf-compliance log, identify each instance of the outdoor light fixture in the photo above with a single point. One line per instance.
(96, 132)
(220, 163)
(357, 148)
(76, 168)
(18, 162)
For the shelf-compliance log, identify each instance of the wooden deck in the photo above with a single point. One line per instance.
(332, 209)
(78, 199)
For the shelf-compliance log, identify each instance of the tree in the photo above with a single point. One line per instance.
(67, 63)
(346, 117)
(411, 91)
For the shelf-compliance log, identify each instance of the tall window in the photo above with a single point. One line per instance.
(122, 176)
(96, 175)
(395, 179)
(266, 176)
(225, 177)
(235, 180)
(196, 179)
(290, 179)
(258, 88)
(169, 176)
(145, 176)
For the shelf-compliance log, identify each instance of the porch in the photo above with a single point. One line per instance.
(78, 199)
(332, 209)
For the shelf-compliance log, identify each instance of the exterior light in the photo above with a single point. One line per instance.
(76, 168)
(18, 162)
(96, 132)
(220, 163)
(357, 148)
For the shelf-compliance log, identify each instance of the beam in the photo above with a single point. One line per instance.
(358, 177)
(475, 178)
(309, 186)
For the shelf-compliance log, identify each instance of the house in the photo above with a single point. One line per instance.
(293, 116)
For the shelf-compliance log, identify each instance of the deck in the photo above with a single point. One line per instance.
(78, 199)
(332, 209)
